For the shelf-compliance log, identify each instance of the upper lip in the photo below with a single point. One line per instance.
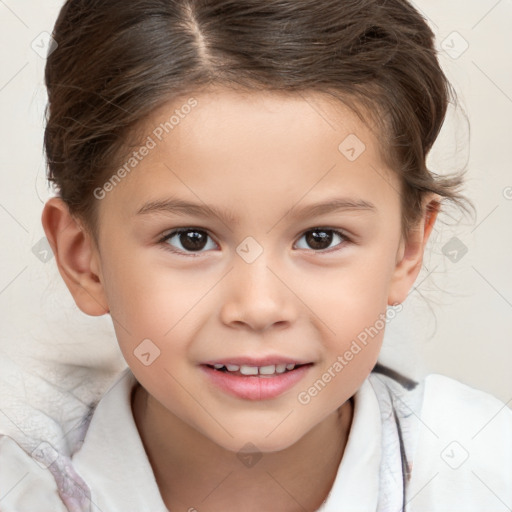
(262, 361)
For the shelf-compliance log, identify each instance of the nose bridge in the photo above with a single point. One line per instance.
(257, 295)
(256, 277)
(254, 259)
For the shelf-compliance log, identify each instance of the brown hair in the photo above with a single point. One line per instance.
(117, 61)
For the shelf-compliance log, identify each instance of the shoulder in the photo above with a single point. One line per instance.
(453, 406)
(26, 484)
(463, 456)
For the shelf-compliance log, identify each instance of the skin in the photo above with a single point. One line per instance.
(261, 156)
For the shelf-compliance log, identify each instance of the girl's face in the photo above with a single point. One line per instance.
(266, 271)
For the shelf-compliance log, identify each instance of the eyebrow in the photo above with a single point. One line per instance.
(182, 207)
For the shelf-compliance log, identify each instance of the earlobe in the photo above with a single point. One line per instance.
(76, 256)
(410, 253)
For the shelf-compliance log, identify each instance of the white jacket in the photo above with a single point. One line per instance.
(456, 456)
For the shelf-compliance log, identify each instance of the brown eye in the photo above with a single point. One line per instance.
(190, 239)
(319, 239)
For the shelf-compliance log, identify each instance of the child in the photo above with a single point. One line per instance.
(292, 138)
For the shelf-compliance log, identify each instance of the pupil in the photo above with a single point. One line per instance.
(191, 240)
(318, 238)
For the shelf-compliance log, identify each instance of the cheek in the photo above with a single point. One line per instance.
(142, 292)
(150, 301)
(353, 297)
(352, 309)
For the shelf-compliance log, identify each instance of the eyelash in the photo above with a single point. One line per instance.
(163, 241)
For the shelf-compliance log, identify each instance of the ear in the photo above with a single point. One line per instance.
(76, 255)
(410, 252)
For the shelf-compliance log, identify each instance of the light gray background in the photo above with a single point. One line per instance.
(457, 319)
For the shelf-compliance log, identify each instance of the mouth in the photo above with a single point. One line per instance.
(268, 370)
(255, 382)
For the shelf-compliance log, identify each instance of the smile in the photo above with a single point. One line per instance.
(255, 382)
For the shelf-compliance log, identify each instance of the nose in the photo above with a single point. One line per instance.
(257, 297)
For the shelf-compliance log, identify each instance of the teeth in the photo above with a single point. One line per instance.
(268, 370)
(248, 370)
(255, 370)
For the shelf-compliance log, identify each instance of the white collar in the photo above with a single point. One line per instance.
(356, 486)
(113, 462)
(112, 459)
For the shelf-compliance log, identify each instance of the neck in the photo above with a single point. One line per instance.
(210, 478)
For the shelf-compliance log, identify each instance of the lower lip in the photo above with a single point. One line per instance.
(252, 387)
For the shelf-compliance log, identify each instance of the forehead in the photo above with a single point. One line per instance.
(246, 145)
(222, 115)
